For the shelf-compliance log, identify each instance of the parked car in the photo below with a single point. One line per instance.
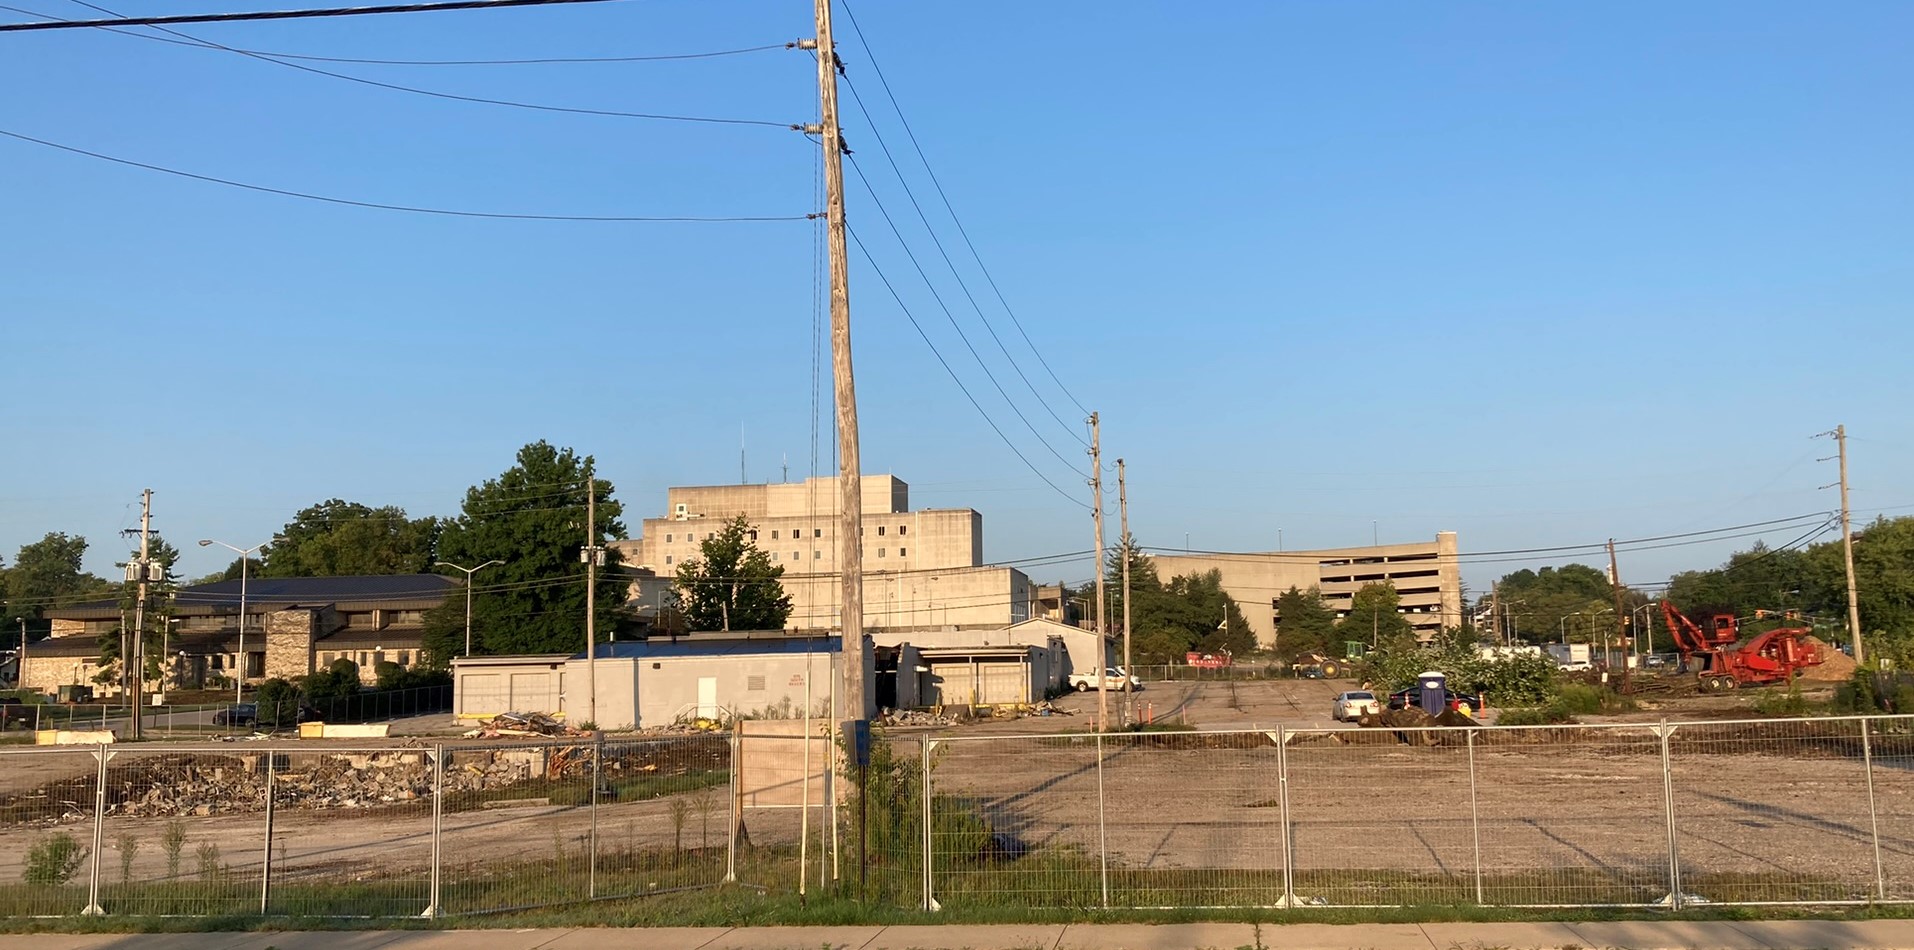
(1412, 697)
(1114, 677)
(1354, 704)
(1575, 666)
(12, 711)
(238, 714)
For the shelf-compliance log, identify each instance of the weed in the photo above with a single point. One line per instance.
(173, 841)
(54, 860)
(128, 846)
(207, 855)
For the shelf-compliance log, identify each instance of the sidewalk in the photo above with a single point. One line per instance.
(1634, 935)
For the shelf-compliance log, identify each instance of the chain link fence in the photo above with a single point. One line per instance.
(1795, 811)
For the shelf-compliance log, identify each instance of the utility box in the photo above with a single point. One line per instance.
(1434, 693)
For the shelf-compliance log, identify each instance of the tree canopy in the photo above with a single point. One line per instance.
(1168, 620)
(1374, 617)
(1305, 623)
(531, 518)
(732, 585)
(337, 538)
(47, 574)
(1538, 601)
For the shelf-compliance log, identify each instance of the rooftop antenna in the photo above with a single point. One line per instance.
(786, 465)
(741, 480)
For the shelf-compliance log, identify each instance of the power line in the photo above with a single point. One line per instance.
(953, 373)
(938, 242)
(961, 335)
(287, 14)
(872, 57)
(538, 61)
(411, 209)
(456, 97)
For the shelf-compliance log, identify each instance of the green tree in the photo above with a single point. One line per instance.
(1305, 623)
(47, 574)
(732, 585)
(1539, 600)
(338, 538)
(1170, 619)
(532, 518)
(1375, 617)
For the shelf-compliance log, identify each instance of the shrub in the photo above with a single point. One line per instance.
(54, 860)
(278, 703)
(209, 866)
(128, 846)
(172, 840)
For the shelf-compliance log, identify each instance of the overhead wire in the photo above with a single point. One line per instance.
(871, 56)
(302, 14)
(885, 279)
(456, 97)
(180, 40)
(409, 209)
(945, 254)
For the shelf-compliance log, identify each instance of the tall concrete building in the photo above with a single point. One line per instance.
(1425, 575)
(922, 568)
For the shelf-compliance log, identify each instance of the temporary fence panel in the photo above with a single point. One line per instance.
(1210, 835)
(1772, 812)
(1017, 821)
(516, 826)
(663, 811)
(351, 832)
(1890, 752)
(1570, 816)
(187, 829)
(48, 846)
(1380, 817)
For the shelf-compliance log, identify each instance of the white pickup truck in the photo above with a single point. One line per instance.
(1113, 678)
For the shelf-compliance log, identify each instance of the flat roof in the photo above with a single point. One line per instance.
(661, 648)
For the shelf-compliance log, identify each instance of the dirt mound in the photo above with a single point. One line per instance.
(1836, 667)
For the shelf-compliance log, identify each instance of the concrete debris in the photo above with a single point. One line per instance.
(515, 725)
(912, 717)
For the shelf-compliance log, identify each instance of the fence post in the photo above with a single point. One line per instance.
(265, 864)
(93, 908)
(1103, 847)
(1282, 804)
(1475, 821)
(1673, 900)
(737, 804)
(1873, 816)
(591, 872)
(930, 889)
(432, 908)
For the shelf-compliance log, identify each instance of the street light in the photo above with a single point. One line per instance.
(469, 571)
(1644, 628)
(245, 561)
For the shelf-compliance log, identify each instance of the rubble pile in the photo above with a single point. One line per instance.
(1835, 667)
(514, 725)
(912, 717)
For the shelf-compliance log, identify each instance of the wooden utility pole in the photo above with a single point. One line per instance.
(850, 543)
(137, 677)
(1096, 513)
(592, 555)
(1495, 603)
(1123, 515)
(1847, 547)
(1621, 615)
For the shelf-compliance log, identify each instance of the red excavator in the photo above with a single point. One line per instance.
(1727, 662)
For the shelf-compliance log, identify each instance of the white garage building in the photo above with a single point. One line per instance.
(645, 683)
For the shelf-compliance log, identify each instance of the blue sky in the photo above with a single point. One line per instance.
(1537, 273)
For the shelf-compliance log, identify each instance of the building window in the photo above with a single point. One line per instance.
(880, 552)
(667, 539)
(880, 530)
(903, 552)
(817, 532)
(902, 528)
(774, 555)
(797, 555)
(405, 657)
(817, 555)
(667, 559)
(754, 534)
(774, 535)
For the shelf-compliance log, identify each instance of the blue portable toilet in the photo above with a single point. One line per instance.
(1434, 688)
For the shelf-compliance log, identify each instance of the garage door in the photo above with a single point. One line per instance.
(482, 694)
(536, 692)
(1002, 682)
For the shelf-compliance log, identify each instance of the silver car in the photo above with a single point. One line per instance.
(1353, 704)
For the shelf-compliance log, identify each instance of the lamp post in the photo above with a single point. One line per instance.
(1644, 629)
(469, 571)
(245, 562)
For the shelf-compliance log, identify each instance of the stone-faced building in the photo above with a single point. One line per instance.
(294, 626)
